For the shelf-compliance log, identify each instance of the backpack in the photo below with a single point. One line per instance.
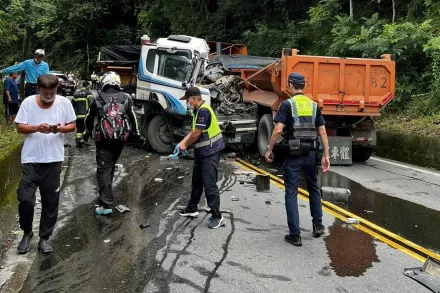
(113, 121)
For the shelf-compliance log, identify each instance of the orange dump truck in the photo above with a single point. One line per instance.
(245, 92)
(349, 92)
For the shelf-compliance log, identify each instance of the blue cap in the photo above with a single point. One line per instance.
(296, 78)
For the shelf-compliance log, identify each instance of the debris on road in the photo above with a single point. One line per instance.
(122, 208)
(243, 173)
(231, 155)
(273, 170)
(180, 177)
(263, 182)
(119, 166)
(143, 226)
(77, 238)
(106, 240)
(158, 179)
(233, 198)
(352, 221)
(334, 194)
(268, 202)
(368, 212)
(15, 232)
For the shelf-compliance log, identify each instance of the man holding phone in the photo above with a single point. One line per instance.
(44, 118)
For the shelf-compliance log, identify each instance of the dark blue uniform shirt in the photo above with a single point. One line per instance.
(284, 115)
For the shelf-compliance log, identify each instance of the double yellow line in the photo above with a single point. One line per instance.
(410, 248)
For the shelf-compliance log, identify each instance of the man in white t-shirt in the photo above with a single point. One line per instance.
(93, 78)
(44, 118)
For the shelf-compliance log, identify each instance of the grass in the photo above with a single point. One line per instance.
(427, 126)
(8, 135)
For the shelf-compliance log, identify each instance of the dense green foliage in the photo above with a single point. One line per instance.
(72, 32)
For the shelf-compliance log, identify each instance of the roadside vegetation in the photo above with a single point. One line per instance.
(72, 33)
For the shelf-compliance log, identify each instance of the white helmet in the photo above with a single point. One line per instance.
(39, 52)
(110, 78)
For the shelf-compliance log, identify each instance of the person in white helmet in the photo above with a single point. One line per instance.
(33, 68)
(116, 122)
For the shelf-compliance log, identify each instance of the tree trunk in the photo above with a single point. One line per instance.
(394, 10)
(351, 9)
(88, 56)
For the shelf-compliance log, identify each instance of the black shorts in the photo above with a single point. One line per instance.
(11, 109)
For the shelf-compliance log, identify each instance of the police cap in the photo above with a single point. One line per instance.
(191, 92)
(296, 78)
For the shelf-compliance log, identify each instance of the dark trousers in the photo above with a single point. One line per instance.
(292, 168)
(204, 176)
(30, 89)
(46, 177)
(106, 158)
(80, 128)
(93, 84)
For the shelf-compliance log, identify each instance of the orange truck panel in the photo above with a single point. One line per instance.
(341, 86)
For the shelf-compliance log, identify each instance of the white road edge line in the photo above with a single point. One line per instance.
(405, 166)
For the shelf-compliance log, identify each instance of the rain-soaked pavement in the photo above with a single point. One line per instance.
(173, 254)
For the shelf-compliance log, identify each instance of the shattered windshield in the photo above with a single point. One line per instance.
(174, 65)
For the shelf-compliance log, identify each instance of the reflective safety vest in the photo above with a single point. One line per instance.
(304, 116)
(211, 139)
(81, 102)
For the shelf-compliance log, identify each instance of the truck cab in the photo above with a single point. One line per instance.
(166, 69)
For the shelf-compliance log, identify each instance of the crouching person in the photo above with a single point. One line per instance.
(44, 118)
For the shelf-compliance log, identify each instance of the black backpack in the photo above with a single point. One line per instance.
(113, 122)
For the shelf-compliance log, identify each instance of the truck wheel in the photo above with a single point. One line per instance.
(159, 135)
(265, 129)
(361, 155)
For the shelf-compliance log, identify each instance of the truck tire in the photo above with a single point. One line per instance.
(361, 154)
(159, 135)
(265, 129)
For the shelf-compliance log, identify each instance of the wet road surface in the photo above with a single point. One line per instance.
(113, 254)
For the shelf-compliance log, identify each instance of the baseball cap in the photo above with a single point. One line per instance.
(296, 78)
(39, 52)
(191, 92)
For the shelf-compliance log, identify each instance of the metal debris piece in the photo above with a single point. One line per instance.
(122, 208)
(233, 198)
(180, 177)
(273, 170)
(119, 166)
(106, 240)
(368, 212)
(158, 179)
(76, 238)
(243, 173)
(352, 221)
(169, 168)
(15, 232)
(231, 155)
(143, 226)
(268, 202)
(263, 182)
(334, 194)
(428, 275)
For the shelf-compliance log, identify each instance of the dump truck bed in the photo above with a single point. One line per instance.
(340, 86)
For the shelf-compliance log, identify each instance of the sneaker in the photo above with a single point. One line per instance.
(214, 223)
(295, 240)
(185, 213)
(102, 211)
(318, 229)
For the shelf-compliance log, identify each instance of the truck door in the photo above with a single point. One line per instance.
(162, 73)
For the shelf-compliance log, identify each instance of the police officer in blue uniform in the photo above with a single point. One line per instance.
(207, 141)
(301, 121)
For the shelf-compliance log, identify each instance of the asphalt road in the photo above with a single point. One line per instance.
(173, 254)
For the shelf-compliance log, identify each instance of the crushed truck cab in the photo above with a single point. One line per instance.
(246, 91)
